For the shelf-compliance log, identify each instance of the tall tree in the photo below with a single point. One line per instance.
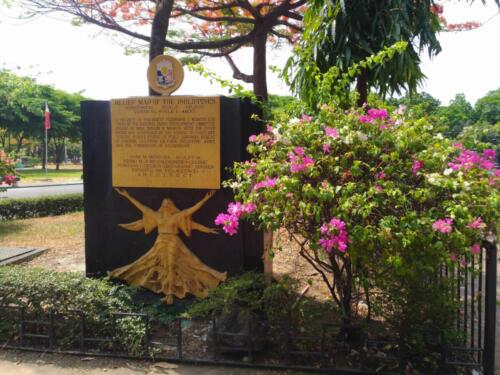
(455, 116)
(214, 28)
(487, 109)
(22, 105)
(340, 33)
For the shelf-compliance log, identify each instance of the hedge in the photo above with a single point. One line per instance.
(41, 292)
(26, 208)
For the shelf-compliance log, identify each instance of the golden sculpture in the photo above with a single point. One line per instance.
(169, 267)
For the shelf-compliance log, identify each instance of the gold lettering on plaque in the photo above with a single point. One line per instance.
(166, 142)
(169, 267)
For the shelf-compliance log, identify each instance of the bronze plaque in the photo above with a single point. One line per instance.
(166, 142)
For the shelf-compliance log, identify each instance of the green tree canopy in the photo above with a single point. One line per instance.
(341, 33)
(456, 116)
(22, 106)
(487, 108)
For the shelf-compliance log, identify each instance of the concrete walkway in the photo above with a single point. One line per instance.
(25, 363)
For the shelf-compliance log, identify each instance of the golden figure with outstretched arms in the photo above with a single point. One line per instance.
(169, 267)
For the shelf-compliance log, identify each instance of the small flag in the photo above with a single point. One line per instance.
(47, 117)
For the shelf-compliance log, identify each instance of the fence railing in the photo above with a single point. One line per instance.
(335, 348)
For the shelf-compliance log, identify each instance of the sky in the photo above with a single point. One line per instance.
(86, 59)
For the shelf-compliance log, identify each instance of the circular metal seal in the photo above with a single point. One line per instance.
(165, 74)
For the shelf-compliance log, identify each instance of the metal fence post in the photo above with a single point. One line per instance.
(490, 308)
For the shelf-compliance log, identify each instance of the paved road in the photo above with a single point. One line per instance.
(27, 192)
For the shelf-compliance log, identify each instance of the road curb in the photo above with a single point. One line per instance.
(37, 186)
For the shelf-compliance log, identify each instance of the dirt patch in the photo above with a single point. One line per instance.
(287, 261)
(25, 363)
(62, 235)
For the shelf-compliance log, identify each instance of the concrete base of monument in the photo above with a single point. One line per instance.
(15, 255)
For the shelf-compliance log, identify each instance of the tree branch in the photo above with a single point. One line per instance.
(237, 74)
(215, 19)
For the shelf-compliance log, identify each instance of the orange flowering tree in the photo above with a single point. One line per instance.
(214, 28)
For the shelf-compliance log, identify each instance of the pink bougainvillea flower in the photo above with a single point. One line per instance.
(235, 209)
(458, 146)
(299, 162)
(229, 223)
(416, 166)
(378, 188)
(365, 119)
(489, 153)
(248, 208)
(487, 165)
(453, 257)
(299, 151)
(269, 128)
(332, 132)
(306, 118)
(251, 170)
(475, 249)
(380, 114)
(380, 175)
(326, 148)
(252, 138)
(469, 159)
(443, 225)
(9, 179)
(477, 224)
(268, 182)
(334, 235)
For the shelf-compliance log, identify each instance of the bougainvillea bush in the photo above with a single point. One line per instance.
(377, 202)
(7, 176)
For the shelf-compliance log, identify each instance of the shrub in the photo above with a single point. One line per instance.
(41, 292)
(25, 208)
(7, 176)
(277, 303)
(377, 202)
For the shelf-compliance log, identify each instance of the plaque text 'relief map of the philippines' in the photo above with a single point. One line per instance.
(170, 142)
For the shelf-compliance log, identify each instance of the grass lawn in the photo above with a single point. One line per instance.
(33, 176)
(63, 235)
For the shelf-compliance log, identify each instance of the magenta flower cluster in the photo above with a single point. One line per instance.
(477, 223)
(443, 225)
(331, 132)
(8, 179)
(334, 236)
(416, 166)
(299, 162)
(373, 114)
(251, 168)
(230, 220)
(469, 159)
(268, 182)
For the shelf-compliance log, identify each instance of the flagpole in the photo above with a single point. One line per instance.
(47, 127)
(46, 152)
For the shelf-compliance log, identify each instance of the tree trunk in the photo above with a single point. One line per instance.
(159, 29)
(19, 143)
(260, 65)
(362, 88)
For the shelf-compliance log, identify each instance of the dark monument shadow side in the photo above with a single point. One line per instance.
(107, 246)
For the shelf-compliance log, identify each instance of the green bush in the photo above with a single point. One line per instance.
(27, 208)
(278, 302)
(41, 292)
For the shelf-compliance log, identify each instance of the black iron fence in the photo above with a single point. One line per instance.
(335, 348)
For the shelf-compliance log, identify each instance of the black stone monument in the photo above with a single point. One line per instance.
(107, 246)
